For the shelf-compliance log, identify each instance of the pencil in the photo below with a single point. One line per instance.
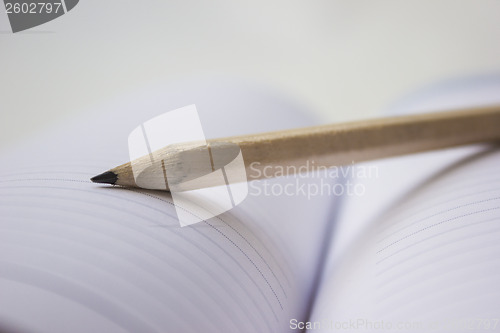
(324, 146)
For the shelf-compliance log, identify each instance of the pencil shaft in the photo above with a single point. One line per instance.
(265, 154)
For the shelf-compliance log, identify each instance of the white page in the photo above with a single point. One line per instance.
(80, 257)
(425, 251)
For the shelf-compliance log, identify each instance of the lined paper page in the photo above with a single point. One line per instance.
(443, 242)
(79, 257)
(432, 263)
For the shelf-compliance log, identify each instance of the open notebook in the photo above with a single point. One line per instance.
(78, 257)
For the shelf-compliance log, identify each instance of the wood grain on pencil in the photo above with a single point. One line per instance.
(345, 143)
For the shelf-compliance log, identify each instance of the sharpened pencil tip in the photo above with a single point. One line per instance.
(107, 177)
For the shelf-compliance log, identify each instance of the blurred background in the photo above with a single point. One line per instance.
(344, 60)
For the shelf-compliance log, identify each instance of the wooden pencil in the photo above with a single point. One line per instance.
(327, 145)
